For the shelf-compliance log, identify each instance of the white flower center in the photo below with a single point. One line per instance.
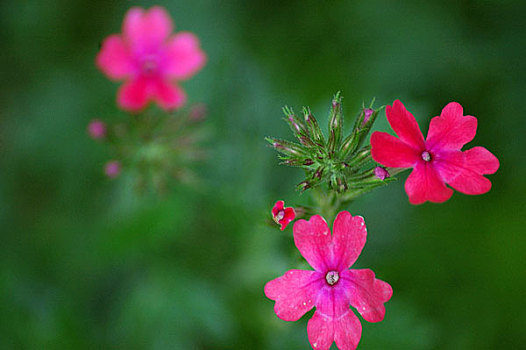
(332, 277)
(426, 156)
(280, 215)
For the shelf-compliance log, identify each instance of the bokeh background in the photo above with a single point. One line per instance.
(87, 263)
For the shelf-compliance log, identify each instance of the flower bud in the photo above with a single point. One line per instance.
(97, 129)
(296, 125)
(361, 157)
(381, 173)
(335, 124)
(288, 148)
(313, 127)
(303, 186)
(318, 173)
(198, 113)
(112, 169)
(306, 141)
(367, 113)
(342, 186)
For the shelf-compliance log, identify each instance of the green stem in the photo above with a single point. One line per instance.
(328, 204)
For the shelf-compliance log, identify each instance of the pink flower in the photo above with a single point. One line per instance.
(112, 169)
(332, 286)
(97, 129)
(149, 60)
(282, 216)
(437, 160)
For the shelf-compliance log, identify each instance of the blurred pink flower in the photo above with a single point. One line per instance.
(437, 160)
(332, 286)
(97, 129)
(112, 169)
(149, 60)
(281, 215)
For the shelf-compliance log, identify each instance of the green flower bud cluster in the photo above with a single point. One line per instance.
(338, 160)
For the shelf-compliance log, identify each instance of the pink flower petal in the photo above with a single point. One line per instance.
(294, 293)
(277, 207)
(349, 236)
(347, 331)
(290, 215)
(114, 58)
(333, 321)
(404, 125)
(320, 331)
(451, 130)
(147, 30)
(133, 95)
(183, 56)
(168, 96)
(313, 239)
(480, 160)
(367, 294)
(424, 184)
(390, 151)
(463, 170)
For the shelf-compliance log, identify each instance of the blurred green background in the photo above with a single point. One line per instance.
(87, 263)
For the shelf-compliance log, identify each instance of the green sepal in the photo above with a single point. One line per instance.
(297, 126)
(288, 148)
(314, 128)
(364, 130)
(335, 124)
(363, 155)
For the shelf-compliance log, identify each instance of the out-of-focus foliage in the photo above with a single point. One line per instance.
(87, 263)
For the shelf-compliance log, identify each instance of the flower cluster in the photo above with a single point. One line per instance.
(154, 144)
(349, 169)
(339, 161)
(161, 142)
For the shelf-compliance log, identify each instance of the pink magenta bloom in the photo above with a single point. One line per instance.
(149, 60)
(332, 287)
(97, 129)
(437, 160)
(112, 169)
(281, 215)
